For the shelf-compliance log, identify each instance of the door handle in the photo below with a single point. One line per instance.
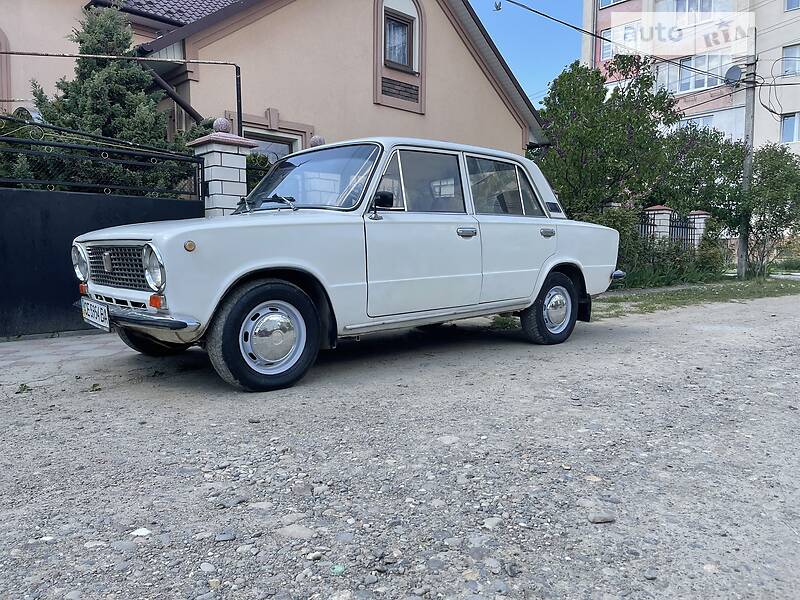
(547, 232)
(467, 232)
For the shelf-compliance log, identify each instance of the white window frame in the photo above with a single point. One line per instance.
(622, 36)
(606, 47)
(791, 60)
(709, 62)
(691, 12)
(796, 118)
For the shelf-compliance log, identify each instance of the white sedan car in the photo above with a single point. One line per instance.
(344, 240)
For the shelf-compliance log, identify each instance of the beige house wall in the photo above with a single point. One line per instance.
(37, 26)
(313, 62)
(40, 26)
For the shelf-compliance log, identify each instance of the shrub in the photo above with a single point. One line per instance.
(660, 262)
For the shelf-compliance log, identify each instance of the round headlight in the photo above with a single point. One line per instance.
(154, 271)
(80, 262)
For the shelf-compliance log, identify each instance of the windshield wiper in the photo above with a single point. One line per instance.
(290, 202)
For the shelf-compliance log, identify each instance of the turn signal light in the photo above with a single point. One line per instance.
(157, 301)
(84, 289)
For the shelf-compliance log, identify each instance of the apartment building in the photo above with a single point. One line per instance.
(723, 34)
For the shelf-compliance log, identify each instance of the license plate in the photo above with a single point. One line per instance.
(95, 313)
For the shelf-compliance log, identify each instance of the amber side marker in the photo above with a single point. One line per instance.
(156, 301)
(83, 289)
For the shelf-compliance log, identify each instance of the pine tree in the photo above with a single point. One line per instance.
(113, 98)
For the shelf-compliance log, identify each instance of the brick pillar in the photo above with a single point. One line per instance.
(660, 216)
(698, 219)
(224, 167)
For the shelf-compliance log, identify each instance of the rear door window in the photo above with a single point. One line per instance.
(495, 187)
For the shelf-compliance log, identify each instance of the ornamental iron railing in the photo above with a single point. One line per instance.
(44, 157)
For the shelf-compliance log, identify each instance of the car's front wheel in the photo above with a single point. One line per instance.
(551, 319)
(265, 336)
(149, 346)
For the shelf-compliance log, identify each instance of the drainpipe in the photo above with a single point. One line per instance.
(170, 91)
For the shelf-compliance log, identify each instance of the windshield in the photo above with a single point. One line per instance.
(332, 177)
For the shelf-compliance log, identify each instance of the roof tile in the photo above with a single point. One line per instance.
(182, 11)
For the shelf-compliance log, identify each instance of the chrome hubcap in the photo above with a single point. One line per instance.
(272, 337)
(557, 309)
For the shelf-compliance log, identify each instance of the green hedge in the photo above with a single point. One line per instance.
(661, 262)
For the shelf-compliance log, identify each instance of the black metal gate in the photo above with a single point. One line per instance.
(56, 184)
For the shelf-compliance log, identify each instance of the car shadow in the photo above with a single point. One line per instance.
(193, 369)
(396, 344)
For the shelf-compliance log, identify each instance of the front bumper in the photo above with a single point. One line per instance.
(131, 317)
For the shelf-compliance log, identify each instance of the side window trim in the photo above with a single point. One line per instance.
(519, 187)
(402, 179)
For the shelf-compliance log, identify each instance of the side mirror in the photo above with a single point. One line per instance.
(382, 200)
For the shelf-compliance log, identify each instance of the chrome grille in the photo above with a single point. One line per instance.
(127, 269)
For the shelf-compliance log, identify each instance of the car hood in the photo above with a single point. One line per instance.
(164, 230)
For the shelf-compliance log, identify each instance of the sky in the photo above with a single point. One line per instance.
(536, 49)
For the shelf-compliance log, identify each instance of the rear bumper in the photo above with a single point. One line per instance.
(131, 317)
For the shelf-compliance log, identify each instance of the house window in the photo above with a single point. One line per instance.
(605, 3)
(271, 146)
(790, 128)
(702, 122)
(398, 40)
(792, 4)
(791, 60)
(606, 45)
(399, 58)
(699, 72)
(622, 39)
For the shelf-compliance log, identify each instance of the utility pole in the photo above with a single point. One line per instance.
(747, 172)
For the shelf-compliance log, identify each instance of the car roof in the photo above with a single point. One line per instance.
(390, 142)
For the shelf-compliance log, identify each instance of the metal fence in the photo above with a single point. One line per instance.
(682, 231)
(43, 157)
(647, 226)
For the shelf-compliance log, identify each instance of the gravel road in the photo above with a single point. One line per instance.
(651, 456)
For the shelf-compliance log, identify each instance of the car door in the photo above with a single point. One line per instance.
(423, 249)
(516, 235)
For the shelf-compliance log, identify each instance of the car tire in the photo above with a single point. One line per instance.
(551, 318)
(149, 346)
(265, 336)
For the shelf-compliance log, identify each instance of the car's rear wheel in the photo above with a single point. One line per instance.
(265, 336)
(149, 346)
(551, 318)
